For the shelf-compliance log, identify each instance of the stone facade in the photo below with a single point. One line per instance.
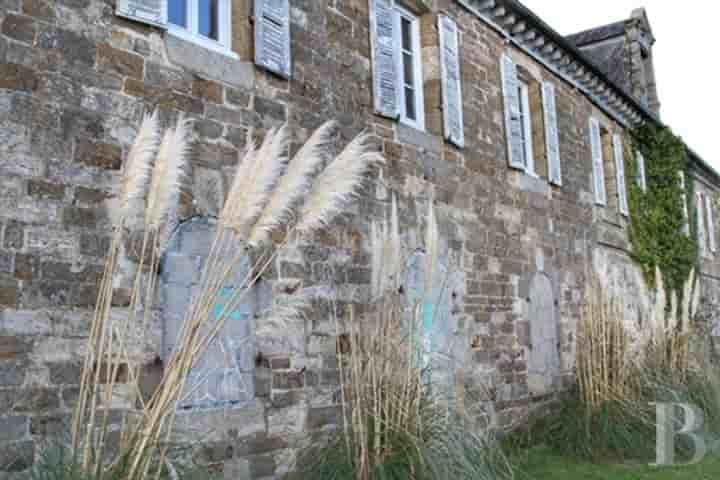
(74, 82)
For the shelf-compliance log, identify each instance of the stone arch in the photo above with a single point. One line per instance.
(223, 377)
(544, 352)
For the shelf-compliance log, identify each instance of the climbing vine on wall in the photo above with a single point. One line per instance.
(657, 221)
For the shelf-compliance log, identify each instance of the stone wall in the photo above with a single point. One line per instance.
(74, 82)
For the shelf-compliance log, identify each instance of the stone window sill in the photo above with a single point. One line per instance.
(530, 182)
(202, 42)
(210, 64)
(419, 138)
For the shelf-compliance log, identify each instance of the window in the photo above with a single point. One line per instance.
(411, 85)
(206, 22)
(686, 211)
(526, 127)
(530, 122)
(701, 232)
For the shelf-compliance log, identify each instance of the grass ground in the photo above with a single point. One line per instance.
(540, 463)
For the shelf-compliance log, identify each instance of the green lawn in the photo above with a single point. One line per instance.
(540, 463)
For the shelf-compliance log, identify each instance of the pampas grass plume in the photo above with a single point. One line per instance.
(138, 167)
(170, 175)
(241, 182)
(295, 183)
(268, 166)
(337, 184)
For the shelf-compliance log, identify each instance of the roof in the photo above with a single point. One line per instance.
(598, 34)
(533, 35)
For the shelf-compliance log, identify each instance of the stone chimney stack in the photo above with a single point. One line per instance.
(623, 50)
(642, 70)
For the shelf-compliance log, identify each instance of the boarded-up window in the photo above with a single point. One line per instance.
(544, 359)
(224, 375)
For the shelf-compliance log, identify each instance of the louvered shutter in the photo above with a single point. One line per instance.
(597, 161)
(620, 174)
(272, 36)
(153, 12)
(710, 223)
(451, 85)
(386, 78)
(641, 179)
(552, 140)
(686, 214)
(513, 121)
(702, 238)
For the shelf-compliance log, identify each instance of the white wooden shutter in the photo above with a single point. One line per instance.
(451, 83)
(552, 140)
(513, 122)
(702, 237)
(386, 77)
(686, 214)
(620, 174)
(710, 223)
(153, 12)
(272, 36)
(597, 161)
(641, 179)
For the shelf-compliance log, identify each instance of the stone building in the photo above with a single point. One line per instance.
(518, 133)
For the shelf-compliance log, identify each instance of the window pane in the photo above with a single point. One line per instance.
(406, 28)
(208, 18)
(177, 12)
(408, 69)
(410, 104)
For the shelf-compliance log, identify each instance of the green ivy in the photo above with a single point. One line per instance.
(656, 226)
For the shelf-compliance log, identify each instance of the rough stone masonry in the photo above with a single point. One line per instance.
(75, 79)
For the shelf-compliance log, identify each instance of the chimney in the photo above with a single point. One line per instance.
(642, 69)
(623, 51)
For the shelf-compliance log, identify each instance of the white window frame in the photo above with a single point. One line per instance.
(416, 53)
(528, 156)
(190, 33)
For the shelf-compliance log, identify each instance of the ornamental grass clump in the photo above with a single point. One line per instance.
(270, 194)
(623, 371)
(397, 423)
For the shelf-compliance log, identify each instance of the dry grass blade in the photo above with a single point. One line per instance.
(269, 166)
(138, 166)
(295, 183)
(337, 184)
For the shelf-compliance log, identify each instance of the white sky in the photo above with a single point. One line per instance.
(686, 57)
